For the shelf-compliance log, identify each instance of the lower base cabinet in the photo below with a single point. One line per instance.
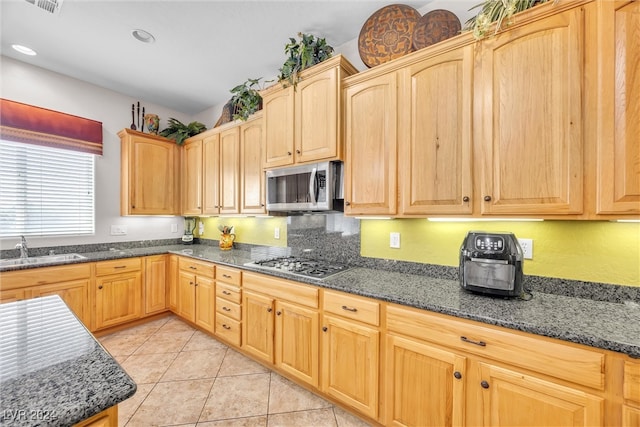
(118, 292)
(425, 384)
(106, 418)
(196, 292)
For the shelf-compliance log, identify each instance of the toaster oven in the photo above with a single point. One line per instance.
(491, 264)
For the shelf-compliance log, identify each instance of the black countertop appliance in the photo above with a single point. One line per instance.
(491, 264)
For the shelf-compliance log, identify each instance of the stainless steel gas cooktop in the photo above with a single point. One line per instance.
(300, 266)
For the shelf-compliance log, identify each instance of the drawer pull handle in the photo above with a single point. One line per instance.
(457, 375)
(120, 266)
(226, 276)
(224, 325)
(226, 308)
(193, 267)
(353, 309)
(226, 292)
(480, 343)
(484, 384)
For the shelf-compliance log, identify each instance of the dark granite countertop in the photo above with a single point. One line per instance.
(607, 325)
(52, 370)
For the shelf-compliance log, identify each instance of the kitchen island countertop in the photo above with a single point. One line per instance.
(606, 325)
(52, 370)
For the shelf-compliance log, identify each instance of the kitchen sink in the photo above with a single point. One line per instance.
(36, 260)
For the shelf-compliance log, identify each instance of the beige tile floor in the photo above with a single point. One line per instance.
(187, 378)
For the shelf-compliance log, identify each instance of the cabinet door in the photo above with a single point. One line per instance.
(186, 296)
(11, 295)
(253, 184)
(530, 111)
(619, 113)
(173, 283)
(192, 178)
(155, 283)
(425, 385)
(257, 333)
(230, 171)
(436, 131)
(278, 127)
(371, 146)
(350, 364)
(152, 177)
(296, 341)
(74, 294)
(118, 299)
(316, 117)
(211, 175)
(205, 303)
(539, 402)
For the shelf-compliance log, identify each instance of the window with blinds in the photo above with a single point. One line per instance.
(45, 191)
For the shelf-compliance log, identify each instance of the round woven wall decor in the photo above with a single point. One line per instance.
(387, 34)
(434, 27)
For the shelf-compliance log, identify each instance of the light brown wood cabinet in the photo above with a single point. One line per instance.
(435, 134)
(618, 113)
(252, 181)
(196, 292)
(106, 418)
(281, 325)
(149, 174)
(350, 351)
(303, 123)
(228, 305)
(201, 175)
(156, 276)
(70, 282)
(230, 170)
(631, 394)
(117, 292)
(371, 138)
(530, 89)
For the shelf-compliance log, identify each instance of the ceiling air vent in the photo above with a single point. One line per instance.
(51, 6)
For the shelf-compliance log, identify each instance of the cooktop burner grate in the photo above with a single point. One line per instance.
(300, 266)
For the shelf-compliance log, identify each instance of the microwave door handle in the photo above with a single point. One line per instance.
(312, 185)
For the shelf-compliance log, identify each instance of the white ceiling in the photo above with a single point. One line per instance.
(202, 49)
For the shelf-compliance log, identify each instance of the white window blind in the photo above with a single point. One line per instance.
(45, 191)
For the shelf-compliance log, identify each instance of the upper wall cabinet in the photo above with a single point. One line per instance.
(149, 172)
(435, 134)
(252, 183)
(201, 175)
(618, 135)
(303, 123)
(529, 98)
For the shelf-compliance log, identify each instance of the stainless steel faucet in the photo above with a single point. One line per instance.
(24, 249)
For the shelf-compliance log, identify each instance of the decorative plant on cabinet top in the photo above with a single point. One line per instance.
(310, 50)
(246, 100)
(178, 131)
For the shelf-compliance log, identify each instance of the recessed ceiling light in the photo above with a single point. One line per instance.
(143, 36)
(23, 49)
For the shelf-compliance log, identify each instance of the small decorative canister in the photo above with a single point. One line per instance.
(152, 122)
(227, 237)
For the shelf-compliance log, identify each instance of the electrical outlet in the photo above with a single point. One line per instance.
(276, 233)
(118, 230)
(174, 228)
(394, 240)
(527, 248)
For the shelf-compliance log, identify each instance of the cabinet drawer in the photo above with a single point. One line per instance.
(104, 268)
(281, 289)
(228, 308)
(543, 355)
(229, 293)
(228, 275)
(201, 268)
(228, 329)
(352, 307)
(44, 275)
(632, 381)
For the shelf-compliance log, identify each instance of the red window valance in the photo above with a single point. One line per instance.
(35, 125)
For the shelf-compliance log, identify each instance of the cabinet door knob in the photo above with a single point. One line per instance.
(297, 151)
(465, 199)
(457, 374)
(348, 203)
(484, 384)
(325, 329)
(289, 153)
(100, 287)
(278, 313)
(487, 198)
(269, 310)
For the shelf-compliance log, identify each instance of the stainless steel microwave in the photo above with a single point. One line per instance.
(313, 187)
